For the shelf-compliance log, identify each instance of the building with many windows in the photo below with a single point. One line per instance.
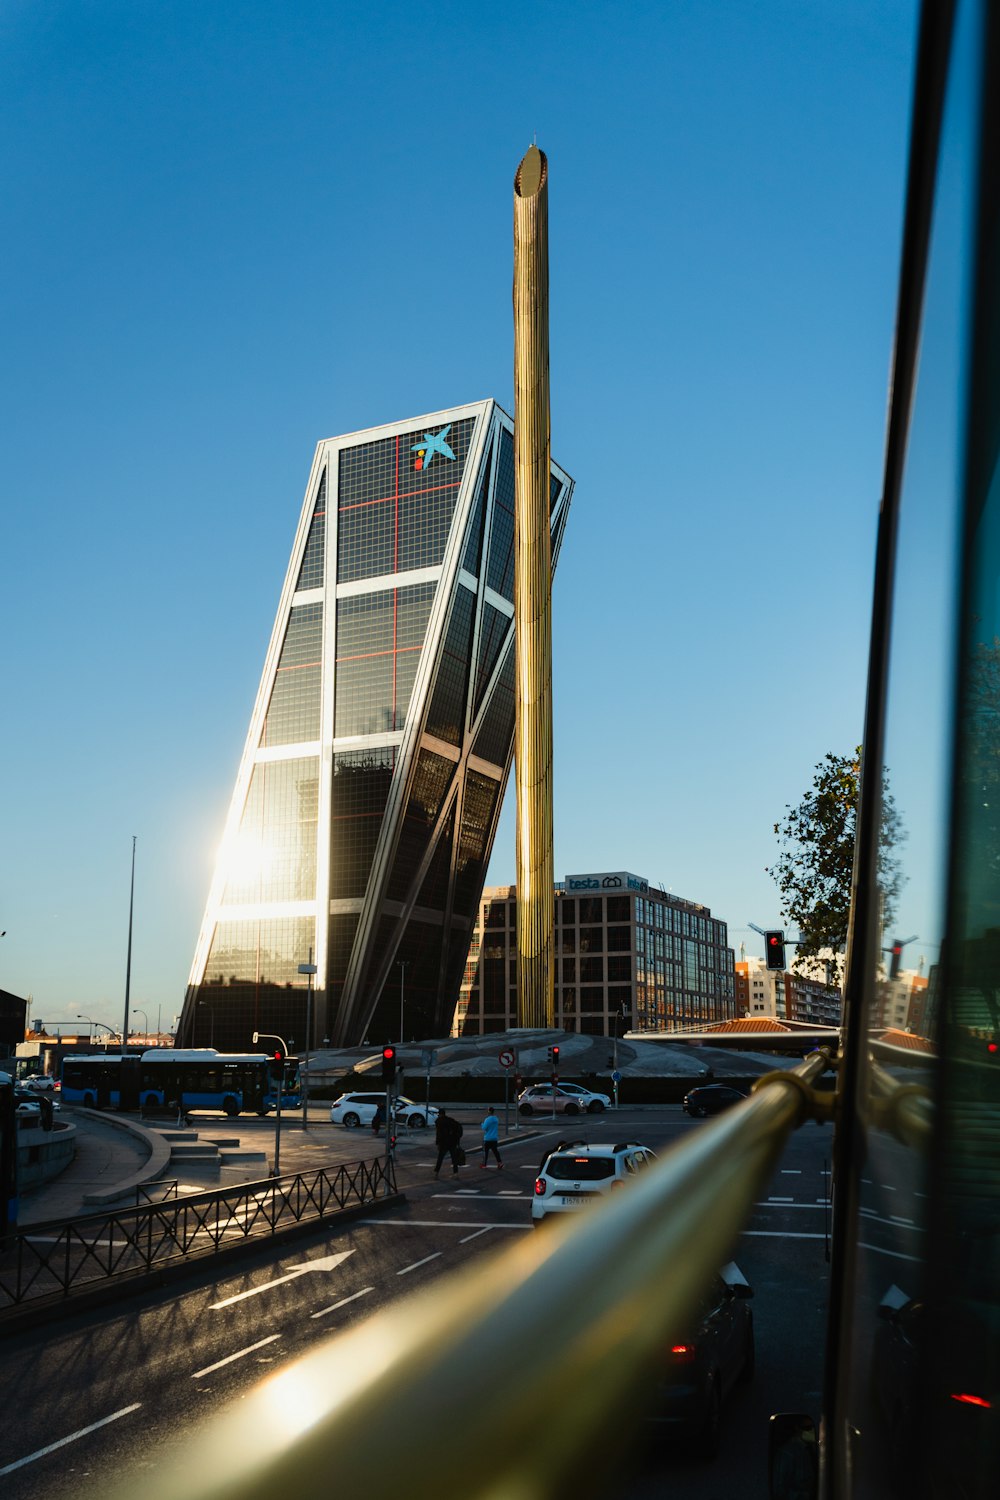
(628, 957)
(368, 793)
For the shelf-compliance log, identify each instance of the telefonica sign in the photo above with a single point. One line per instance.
(618, 880)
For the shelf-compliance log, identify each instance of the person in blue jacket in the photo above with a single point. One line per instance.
(491, 1137)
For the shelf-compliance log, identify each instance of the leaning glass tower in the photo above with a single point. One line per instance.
(368, 793)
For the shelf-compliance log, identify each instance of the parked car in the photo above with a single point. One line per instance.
(588, 1099)
(542, 1098)
(44, 1083)
(35, 1105)
(353, 1110)
(712, 1099)
(575, 1174)
(702, 1364)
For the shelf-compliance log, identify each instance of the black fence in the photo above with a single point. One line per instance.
(48, 1263)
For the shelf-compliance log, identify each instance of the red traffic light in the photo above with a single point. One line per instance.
(555, 1054)
(388, 1054)
(774, 949)
(388, 1063)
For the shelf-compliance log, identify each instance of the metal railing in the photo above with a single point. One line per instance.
(46, 1263)
(507, 1381)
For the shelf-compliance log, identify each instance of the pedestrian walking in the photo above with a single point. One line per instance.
(447, 1134)
(491, 1137)
(377, 1118)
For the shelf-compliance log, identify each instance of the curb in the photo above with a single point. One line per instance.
(155, 1166)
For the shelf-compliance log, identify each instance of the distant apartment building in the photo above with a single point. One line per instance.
(628, 956)
(809, 999)
(758, 990)
(904, 1002)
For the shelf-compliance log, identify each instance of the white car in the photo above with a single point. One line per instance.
(589, 1099)
(575, 1174)
(42, 1083)
(353, 1110)
(562, 1098)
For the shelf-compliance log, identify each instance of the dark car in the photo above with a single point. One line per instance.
(701, 1366)
(712, 1099)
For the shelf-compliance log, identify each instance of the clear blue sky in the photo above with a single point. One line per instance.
(231, 229)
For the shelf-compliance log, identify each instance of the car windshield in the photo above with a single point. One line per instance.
(580, 1168)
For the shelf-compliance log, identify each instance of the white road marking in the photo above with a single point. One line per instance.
(61, 1442)
(511, 1193)
(344, 1301)
(788, 1203)
(211, 1369)
(781, 1200)
(466, 1238)
(484, 1197)
(417, 1263)
(791, 1171)
(894, 1254)
(324, 1263)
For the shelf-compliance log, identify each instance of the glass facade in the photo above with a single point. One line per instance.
(619, 965)
(376, 866)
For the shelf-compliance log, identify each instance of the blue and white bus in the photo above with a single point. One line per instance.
(201, 1078)
(101, 1081)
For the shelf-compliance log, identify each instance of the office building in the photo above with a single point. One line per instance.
(381, 738)
(629, 957)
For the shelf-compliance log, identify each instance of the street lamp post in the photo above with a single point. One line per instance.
(309, 970)
(109, 1029)
(274, 1037)
(402, 974)
(145, 1020)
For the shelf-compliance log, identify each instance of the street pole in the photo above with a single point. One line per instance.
(128, 959)
(402, 974)
(309, 970)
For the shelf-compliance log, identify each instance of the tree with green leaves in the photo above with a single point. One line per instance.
(814, 868)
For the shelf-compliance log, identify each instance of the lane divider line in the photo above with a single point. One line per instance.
(466, 1238)
(343, 1302)
(440, 1224)
(241, 1354)
(73, 1437)
(417, 1263)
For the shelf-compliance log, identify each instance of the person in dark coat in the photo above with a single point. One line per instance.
(447, 1134)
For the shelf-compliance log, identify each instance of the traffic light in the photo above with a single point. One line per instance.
(275, 1067)
(388, 1064)
(549, 1053)
(554, 1054)
(895, 956)
(774, 949)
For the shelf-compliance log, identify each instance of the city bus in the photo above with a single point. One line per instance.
(101, 1081)
(201, 1078)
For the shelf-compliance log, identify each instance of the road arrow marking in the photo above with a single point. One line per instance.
(324, 1263)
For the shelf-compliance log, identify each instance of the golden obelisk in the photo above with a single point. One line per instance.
(535, 870)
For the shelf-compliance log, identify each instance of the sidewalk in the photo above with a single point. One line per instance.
(109, 1156)
(105, 1156)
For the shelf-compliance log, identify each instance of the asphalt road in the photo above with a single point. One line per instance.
(96, 1394)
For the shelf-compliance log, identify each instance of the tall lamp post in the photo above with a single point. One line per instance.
(274, 1037)
(309, 970)
(128, 958)
(109, 1029)
(402, 974)
(145, 1020)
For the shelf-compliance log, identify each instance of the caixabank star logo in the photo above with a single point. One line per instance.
(431, 443)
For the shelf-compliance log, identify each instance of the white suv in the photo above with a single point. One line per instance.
(359, 1109)
(575, 1174)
